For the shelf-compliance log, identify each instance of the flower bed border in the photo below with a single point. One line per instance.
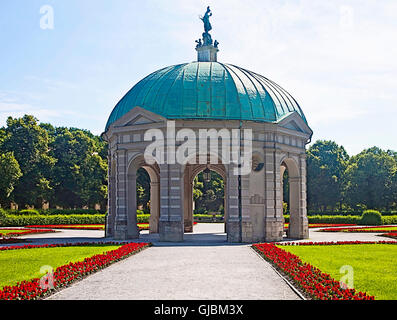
(10, 240)
(25, 232)
(392, 235)
(360, 229)
(69, 226)
(67, 274)
(80, 227)
(311, 281)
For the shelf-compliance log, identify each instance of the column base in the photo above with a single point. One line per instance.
(171, 231)
(233, 232)
(124, 232)
(298, 228)
(274, 229)
(188, 226)
(153, 224)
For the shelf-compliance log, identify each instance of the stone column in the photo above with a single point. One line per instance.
(132, 228)
(111, 207)
(246, 223)
(171, 211)
(188, 205)
(120, 225)
(154, 207)
(273, 223)
(233, 220)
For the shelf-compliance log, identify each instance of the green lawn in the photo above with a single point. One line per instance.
(386, 229)
(25, 264)
(5, 232)
(374, 265)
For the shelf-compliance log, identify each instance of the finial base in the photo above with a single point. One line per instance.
(207, 54)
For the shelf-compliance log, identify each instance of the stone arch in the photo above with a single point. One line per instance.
(189, 172)
(298, 225)
(153, 171)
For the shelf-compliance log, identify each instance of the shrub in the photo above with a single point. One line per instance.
(24, 220)
(28, 212)
(68, 211)
(142, 218)
(371, 218)
(2, 216)
(337, 219)
(200, 211)
(389, 220)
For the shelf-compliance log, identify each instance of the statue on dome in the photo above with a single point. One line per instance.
(206, 20)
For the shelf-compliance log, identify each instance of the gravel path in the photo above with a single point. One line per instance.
(185, 272)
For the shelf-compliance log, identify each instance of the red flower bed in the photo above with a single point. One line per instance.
(358, 229)
(311, 280)
(323, 225)
(332, 243)
(70, 226)
(7, 240)
(65, 275)
(25, 232)
(392, 235)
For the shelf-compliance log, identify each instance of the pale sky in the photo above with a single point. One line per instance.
(337, 58)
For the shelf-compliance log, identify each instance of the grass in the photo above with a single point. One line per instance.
(374, 265)
(25, 264)
(4, 232)
(384, 229)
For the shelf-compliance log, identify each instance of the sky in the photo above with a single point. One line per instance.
(68, 62)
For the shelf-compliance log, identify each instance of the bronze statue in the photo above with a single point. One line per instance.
(206, 20)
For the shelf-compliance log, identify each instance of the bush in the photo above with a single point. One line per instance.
(334, 219)
(371, 218)
(12, 220)
(2, 216)
(68, 211)
(142, 218)
(389, 220)
(347, 219)
(200, 211)
(28, 212)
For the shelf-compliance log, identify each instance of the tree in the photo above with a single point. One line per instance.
(10, 173)
(209, 195)
(143, 188)
(80, 176)
(29, 144)
(369, 179)
(326, 163)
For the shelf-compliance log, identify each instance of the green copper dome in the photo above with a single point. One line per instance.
(208, 90)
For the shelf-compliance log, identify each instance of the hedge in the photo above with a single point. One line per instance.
(52, 211)
(346, 213)
(142, 218)
(334, 219)
(12, 220)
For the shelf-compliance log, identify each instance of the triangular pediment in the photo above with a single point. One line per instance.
(293, 126)
(138, 116)
(293, 121)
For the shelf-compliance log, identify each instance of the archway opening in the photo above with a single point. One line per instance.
(143, 200)
(290, 179)
(205, 200)
(209, 198)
